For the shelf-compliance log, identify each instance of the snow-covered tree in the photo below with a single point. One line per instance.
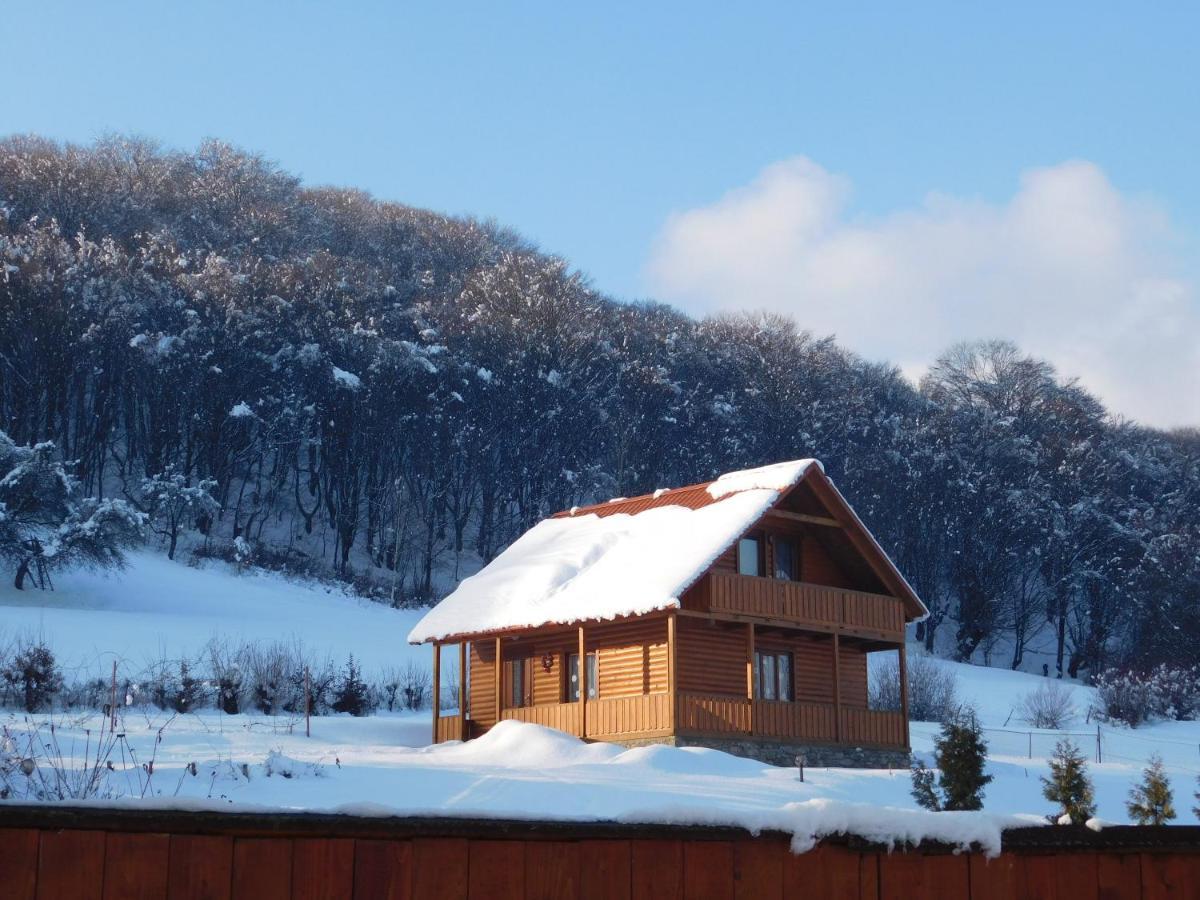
(174, 505)
(45, 526)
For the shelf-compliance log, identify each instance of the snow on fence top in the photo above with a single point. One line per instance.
(585, 567)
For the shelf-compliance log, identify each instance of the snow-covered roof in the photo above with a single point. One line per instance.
(611, 560)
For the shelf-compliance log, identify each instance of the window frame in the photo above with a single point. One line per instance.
(774, 675)
(759, 555)
(571, 676)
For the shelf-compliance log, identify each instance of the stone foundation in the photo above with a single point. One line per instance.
(777, 754)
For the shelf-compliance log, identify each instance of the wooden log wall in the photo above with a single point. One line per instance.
(93, 854)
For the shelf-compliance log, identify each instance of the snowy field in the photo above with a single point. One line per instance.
(381, 764)
(157, 609)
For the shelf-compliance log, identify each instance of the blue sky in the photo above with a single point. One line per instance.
(588, 128)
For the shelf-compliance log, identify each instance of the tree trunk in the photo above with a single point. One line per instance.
(22, 572)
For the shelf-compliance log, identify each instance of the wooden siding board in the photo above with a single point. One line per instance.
(136, 866)
(383, 870)
(323, 869)
(831, 873)
(905, 876)
(604, 869)
(1170, 876)
(201, 867)
(70, 864)
(483, 683)
(19, 862)
(994, 879)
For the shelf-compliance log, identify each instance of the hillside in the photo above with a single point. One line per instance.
(388, 396)
(381, 763)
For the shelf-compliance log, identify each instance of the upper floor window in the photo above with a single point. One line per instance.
(786, 561)
(749, 556)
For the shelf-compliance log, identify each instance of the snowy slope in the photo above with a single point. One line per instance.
(382, 763)
(156, 608)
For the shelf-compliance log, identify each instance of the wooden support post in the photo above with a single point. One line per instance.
(837, 688)
(437, 687)
(750, 671)
(583, 684)
(672, 682)
(499, 680)
(463, 696)
(904, 691)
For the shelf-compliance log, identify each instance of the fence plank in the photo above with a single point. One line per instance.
(657, 872)
(135, 866)
(1037, 877)
(496, 870)
(383, 870)
(1118, 876)
(200, 868)
(1076, 874)
(604, 870)
(993, 879)
(826, 872)
(551, 870)
(758, 868)
(708, 870)
(323, 869)
(1170, 876)
(438, 870)
(18, 862)
(262, 868)
(70, 864)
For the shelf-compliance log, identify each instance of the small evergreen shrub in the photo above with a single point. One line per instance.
(1069, 785)
(960, 754)
(351, 694)
(1152, 802)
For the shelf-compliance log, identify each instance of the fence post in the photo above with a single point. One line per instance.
(1099, 751)
(112, 708)
(307, 704)
(1030, 735)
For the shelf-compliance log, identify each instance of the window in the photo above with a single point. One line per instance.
(749, 556)
(772, 675)
(573, 677)
(785, 560)
(518, 676)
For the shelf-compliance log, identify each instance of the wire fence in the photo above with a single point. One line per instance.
(1103, 744)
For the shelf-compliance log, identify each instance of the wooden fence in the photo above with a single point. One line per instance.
(75, 854)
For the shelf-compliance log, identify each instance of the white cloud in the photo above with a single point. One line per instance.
(1069, 268)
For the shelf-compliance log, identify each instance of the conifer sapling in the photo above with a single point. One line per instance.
(1151, 802)
(1068, 784)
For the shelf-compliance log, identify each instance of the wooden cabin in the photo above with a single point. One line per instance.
(738, 614)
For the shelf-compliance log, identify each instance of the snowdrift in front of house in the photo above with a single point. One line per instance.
(591, 567)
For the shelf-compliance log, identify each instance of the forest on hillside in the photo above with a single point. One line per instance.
(388, 394)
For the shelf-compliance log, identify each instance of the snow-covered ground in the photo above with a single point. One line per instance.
(382, 764)
(156, 609)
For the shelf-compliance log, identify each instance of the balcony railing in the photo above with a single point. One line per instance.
(826, 608)
(648, 715)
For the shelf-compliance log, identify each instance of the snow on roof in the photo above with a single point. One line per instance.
(573, 568)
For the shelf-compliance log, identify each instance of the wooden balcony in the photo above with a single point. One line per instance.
(723, 716)
(650, 715)
(798, 603)
(449, 728)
